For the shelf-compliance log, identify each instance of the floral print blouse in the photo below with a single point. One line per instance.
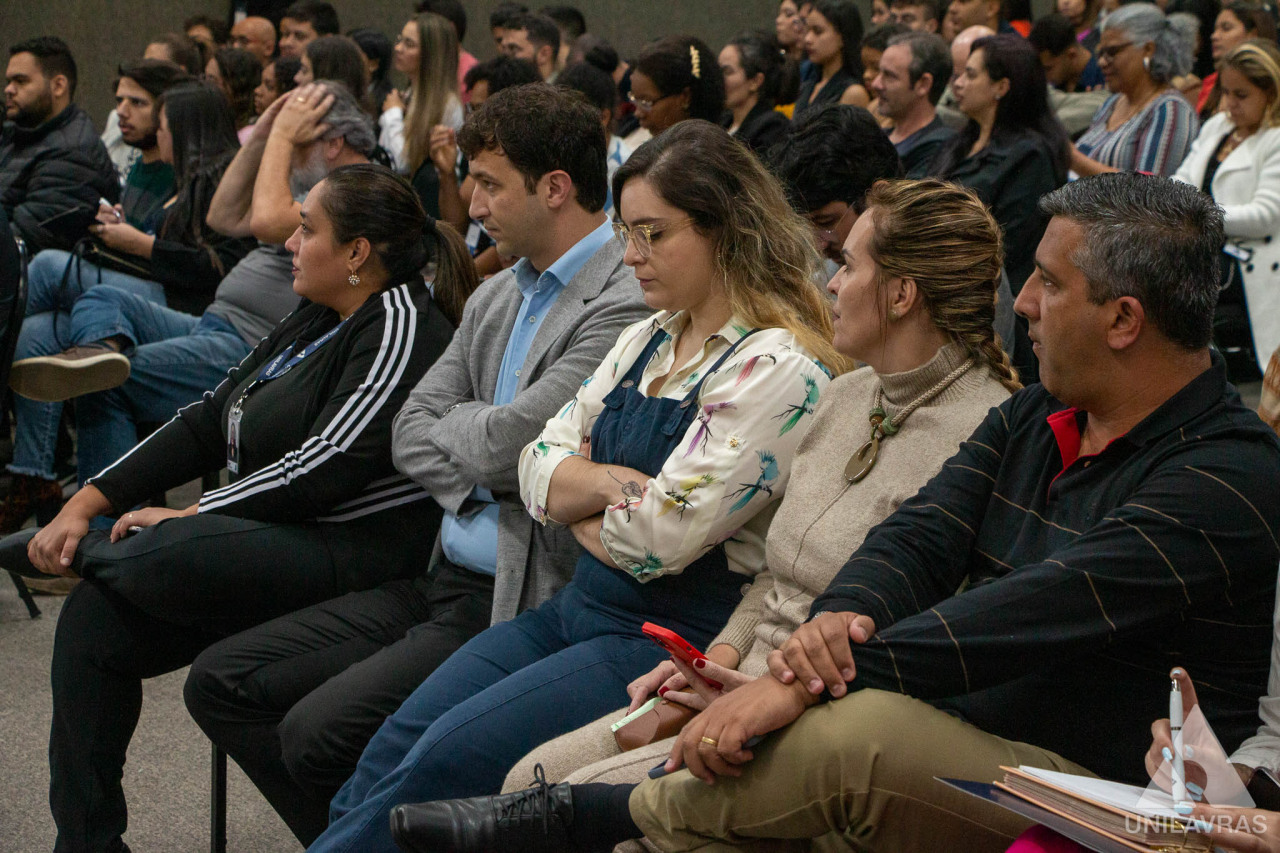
(728, 473)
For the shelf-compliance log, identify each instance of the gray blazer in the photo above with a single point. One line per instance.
(451, 438)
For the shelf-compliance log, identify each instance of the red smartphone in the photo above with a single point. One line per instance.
(678, 646)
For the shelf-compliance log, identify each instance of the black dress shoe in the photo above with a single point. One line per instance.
(13, 554)
(529, 821)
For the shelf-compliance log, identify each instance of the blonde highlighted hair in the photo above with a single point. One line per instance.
(435, 85)
(1259, 62)
(763, 249)
(942, 237)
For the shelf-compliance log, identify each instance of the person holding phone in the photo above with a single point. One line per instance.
(909, 347)
(667, 465)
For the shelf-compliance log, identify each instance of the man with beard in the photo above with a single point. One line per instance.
(171, 358)
(151, 180)
(53, 167)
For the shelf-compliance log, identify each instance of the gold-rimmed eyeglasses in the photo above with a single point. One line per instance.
(642, 236)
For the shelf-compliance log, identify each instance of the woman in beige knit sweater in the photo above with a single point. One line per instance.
(914, 303)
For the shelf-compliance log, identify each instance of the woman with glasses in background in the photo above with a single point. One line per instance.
(427, 53)
(667, 465)
(676, 78)
(1147, 125)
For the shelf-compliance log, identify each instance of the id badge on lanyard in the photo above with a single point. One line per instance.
(233, 437)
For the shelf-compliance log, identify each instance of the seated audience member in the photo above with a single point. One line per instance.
(828, 162)
(931, 356)
(1146, 125)
(572, 26)
(873, 47)
(257, 36)
(833, 44)
(1012, 151)
(789, 25)
(1084, 17)
(676, 78)
(1076, 85)
(1068, 65)
(751, 64)
(1238, 22)
(178, 263)
(296, 700)
(1200, 17)
(426, 53)
(914, 71)
(237, 74)
(453, 12)
(692, 205)
(962, 14)
(483, 82)
(336, 58)
(210, 32)
(533, 38)
(960, 47)
(179, 49)
(379, 54)
(174, 357)
(1068, 496)
(278, 77)
(1236, 159)
(150, 182)
(597, 87)
(53, 167)
(304, 22)
(314, 508)
(917, 15)
(499, 19)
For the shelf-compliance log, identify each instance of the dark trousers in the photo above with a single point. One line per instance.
(294, 701)
(153, 601)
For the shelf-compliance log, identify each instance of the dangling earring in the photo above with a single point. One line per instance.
(1146, 64)
(353, 280)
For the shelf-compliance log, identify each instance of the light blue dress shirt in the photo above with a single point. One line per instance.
(471, 540)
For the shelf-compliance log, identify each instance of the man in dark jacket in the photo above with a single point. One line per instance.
(53, 167)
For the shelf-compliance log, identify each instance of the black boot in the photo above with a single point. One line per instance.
(531, 821)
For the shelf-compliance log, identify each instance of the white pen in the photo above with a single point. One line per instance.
(1175, 728)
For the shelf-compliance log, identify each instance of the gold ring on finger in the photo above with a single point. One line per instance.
(710, 741)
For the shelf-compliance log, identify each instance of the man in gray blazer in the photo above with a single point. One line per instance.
(295, 701)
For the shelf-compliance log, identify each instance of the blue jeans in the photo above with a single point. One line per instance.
(175, 358)
(47, 331)
(517, 685)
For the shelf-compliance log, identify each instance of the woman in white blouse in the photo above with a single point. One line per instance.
(1236, 159)
(427, 53)
(668, 466)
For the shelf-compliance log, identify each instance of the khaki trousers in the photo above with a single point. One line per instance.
(853, 774)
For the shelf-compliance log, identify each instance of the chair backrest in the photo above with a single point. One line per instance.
(13, 291)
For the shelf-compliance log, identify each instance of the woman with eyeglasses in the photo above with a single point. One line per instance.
(674, 79)
(833, 43)
(427, 53)
(667, 466)
(1147, 125)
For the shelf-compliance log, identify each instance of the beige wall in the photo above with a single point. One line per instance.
(103, 32)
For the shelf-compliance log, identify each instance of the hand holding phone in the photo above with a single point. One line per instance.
(679, 647)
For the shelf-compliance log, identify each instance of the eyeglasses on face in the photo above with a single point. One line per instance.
(1111, 52)
(645, 105)
(642, 236)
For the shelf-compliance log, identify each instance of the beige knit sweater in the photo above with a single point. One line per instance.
(824, 518)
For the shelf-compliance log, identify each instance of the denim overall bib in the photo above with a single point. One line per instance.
(641, 432)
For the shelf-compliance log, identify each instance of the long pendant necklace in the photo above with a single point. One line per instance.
(864, 459)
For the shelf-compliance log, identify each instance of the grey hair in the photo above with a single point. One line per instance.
(1174, 37)
(1152, 238)
(929, 55)
(347, 120)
